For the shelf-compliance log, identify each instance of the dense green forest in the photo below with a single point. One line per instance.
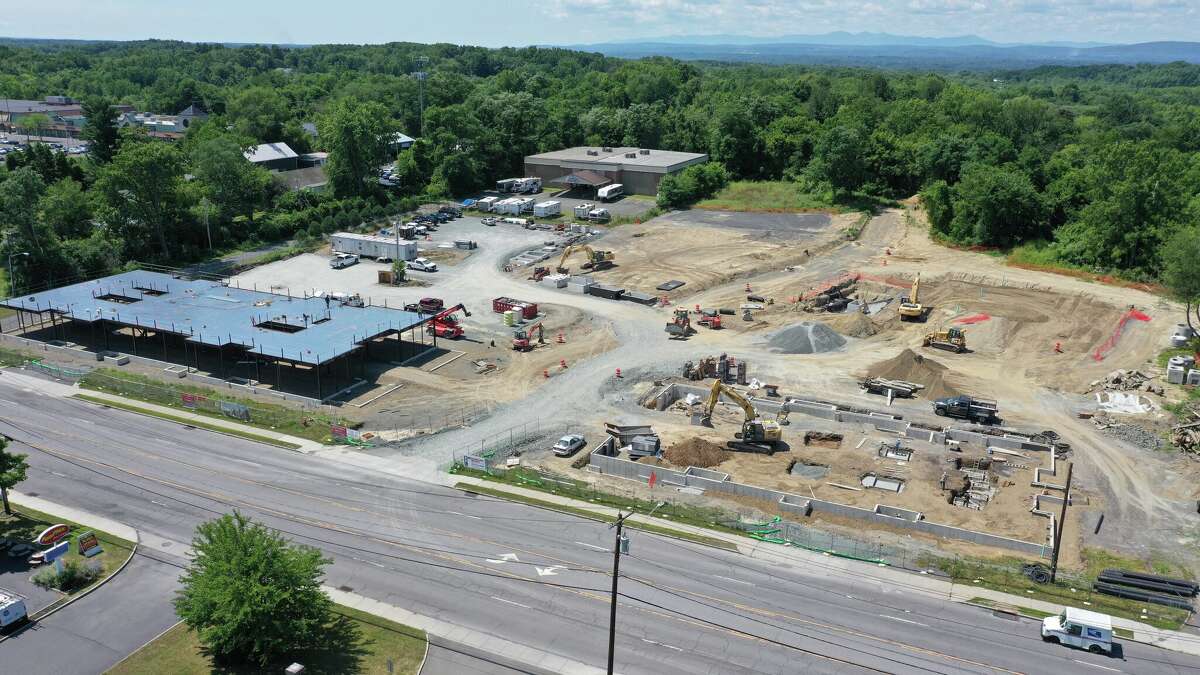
(1093, 166)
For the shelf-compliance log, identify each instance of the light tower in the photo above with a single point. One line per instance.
(420, 64)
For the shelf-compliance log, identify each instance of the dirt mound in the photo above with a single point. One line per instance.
(913, 367)
(861, 326)
(696, 452)
(806, 337)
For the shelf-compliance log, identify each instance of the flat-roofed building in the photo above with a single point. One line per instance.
(639, 169)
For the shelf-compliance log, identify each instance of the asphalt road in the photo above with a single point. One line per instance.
(526, 575)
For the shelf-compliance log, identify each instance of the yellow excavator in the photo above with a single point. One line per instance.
(911, 308)
(757, 434)
(597, 260)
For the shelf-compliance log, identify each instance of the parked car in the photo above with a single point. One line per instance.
(489, 221)
(340, 260)
(569, 445)
(422, 265)
(20, 550)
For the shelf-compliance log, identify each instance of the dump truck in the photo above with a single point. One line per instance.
(979, 410)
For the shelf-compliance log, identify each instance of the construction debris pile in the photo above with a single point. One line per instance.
(1127, 380)
(833, 299)
(724, 368)
(1130, 433)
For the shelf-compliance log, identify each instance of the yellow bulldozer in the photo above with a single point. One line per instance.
(597, 260)
(757, 434)
(950, 339)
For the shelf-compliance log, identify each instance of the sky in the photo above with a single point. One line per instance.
(495, 23)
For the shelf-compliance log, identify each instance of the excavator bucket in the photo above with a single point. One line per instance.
(701, 420)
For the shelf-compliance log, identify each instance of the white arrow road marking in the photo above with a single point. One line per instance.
(511, 602)
(507, 557)
(549, 571)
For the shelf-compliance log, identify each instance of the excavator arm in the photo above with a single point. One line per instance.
(916, 289)
(572, 250)
(714, 396)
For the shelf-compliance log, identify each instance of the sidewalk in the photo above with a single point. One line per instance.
(824, 564)
(62, 390)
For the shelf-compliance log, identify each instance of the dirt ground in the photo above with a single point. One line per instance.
(689, 247)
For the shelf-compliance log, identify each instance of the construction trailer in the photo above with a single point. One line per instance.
(373, 246)
(547, 209)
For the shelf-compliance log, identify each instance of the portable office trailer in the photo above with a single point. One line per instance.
(547, 209)
(373, 246)
(487, 204)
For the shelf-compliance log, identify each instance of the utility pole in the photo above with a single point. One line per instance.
(12, 280)
(204, 204)
(612, 613)
(421, 62)
(1062, 519)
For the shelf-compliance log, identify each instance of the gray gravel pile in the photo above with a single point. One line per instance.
(807, 337)
(1134, 434)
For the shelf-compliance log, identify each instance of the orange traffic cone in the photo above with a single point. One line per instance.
(562, 363)
(546, 373)
(618, 372)
(561, 340)
(1058, 348)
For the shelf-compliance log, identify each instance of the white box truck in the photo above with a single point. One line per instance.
(1079, 628)
(12, 610)
(547, 209)
(610, 192)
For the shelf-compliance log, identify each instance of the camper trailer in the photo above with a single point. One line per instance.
(610, 192)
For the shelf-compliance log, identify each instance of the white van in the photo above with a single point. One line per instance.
(610, 192)
(12, 610)
(1080, 628)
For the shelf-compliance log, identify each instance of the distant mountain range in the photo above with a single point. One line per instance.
(968, 52)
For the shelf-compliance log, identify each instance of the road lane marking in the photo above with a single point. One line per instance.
(155, 501)
(507, 557)
(598, 548)
(63, 475)
(369, 562)
(550, 571)
(736, 581)
(660, 644)
(511, 602)
(1096, 665)
(465, 515)
(896, 618)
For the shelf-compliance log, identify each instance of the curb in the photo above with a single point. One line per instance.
(425, 656)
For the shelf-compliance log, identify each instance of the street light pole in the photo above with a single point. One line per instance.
(12, 280)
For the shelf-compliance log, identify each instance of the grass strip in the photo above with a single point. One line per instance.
(592, 515)
(191, 423)
(378, 646)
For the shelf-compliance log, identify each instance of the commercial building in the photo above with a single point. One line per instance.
(590, 168)
(311, 345)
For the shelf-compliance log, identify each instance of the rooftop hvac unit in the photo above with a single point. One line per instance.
(631, 155)
(593, 153)
(606, 149)
(644, 152)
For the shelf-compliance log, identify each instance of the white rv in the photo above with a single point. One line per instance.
(610, 192)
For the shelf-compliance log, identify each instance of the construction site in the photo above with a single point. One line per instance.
(831, 369)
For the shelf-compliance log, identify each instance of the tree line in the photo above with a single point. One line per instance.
(1095, 165)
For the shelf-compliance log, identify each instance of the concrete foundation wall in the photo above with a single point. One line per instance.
(706, 480)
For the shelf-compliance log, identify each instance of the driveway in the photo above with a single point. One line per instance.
(95, 632)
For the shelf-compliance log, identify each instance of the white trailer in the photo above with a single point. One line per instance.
(514, 205)
(487, 204)
(530, 185)
(584, 209)
(610, 192)
(507, 185)
(547, 209)
(373, 246)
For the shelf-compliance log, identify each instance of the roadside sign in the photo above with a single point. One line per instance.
(52, 534)
(338, 431)
(473, 462)
(653, 478)
(88, 545)
(57, 551)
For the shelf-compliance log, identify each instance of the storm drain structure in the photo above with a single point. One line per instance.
(297, 344)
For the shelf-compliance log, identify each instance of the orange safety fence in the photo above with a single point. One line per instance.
(1103, 350)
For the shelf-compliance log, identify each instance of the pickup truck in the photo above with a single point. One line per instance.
(422, 265)
(426, 306)
(979, 410)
